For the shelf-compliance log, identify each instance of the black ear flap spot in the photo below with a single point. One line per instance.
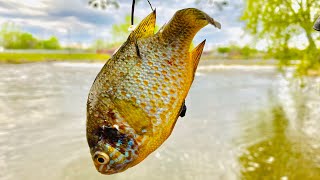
(111, 134)
(183, 109)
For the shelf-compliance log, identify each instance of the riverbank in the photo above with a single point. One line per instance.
(19, 58)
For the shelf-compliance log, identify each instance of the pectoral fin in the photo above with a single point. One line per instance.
(136, 117)
(182, 113)
(196, 55)
(183, 109)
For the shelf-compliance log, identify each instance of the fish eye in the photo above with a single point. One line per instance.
(101, 158)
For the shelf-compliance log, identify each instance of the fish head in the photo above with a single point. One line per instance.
(115, 150)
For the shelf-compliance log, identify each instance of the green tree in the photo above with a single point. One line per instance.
(278, 21)
(26, 41)
(101, 44)
(9, 34)
(11, 37)
(119, 34)
(247, 51)
(223, 50)
(120, 31)
(51, 43)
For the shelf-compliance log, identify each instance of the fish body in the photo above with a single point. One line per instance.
(139, 94)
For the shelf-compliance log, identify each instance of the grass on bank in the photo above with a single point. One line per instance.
(17, 58)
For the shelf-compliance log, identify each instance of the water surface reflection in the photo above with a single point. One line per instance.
(223, 136)
(285, 140)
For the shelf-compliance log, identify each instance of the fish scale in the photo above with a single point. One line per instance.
(148, 80)
(138, 95)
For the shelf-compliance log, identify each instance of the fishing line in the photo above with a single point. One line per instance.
(150, 5)
(132, 10)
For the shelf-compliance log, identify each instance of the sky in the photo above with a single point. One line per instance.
(74, 21)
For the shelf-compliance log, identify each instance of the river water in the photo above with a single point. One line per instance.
(242, 122)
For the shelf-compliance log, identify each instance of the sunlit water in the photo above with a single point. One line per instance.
(237, 122)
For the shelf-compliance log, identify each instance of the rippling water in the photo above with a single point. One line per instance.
(242, 122)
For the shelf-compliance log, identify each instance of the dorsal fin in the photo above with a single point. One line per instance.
(145, 28)
(196, 55)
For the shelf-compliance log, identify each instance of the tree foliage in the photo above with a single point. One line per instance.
(278, 21)
(223, 50)
(120, 31)
(11, 37)
(237, 52)
(51, 43)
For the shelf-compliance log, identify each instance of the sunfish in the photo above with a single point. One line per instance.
(139, 93)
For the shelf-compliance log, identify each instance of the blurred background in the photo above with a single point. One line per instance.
(253, 110)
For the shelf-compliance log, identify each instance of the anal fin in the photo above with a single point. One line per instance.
(196, 54)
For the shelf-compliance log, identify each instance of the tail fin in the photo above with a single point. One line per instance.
(186, 23)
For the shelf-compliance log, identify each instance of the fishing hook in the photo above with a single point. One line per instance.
(132, 10)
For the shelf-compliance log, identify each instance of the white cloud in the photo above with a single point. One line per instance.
(30, 3)
(75, 19)
(26, 7)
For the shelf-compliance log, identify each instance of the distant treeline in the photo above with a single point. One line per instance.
(11, 37)
(247, 52)
(237, 52)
